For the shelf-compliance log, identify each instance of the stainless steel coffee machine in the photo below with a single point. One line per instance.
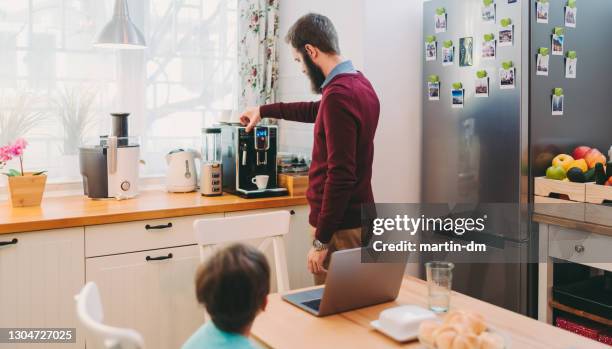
(249, 161)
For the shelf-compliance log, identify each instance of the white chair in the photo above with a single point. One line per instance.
(271, 227)
(100, 336)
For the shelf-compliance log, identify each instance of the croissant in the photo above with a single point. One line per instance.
(489, 340)
(473, 322)
(426, 332)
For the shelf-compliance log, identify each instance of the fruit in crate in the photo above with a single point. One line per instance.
(580, 152)
(576, 175)
(556, 172)
(563, 160)
(609, 182)
(593, 157)
(580, 163)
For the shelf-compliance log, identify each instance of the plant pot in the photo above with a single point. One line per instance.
(26, 190)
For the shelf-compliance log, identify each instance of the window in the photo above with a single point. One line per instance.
(57, 90)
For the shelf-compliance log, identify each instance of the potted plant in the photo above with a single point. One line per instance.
(25, 188)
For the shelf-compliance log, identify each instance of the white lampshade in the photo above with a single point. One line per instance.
(120, 32)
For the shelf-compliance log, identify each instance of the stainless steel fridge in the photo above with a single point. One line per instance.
(484, 151)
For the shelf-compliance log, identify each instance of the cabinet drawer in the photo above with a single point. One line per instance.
(107, 239)
(152, 292)
(578, 246)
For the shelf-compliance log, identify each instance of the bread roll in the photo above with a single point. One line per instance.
(465, 341)
(426, 331)
(488, 340)
(445, 339)
(473, 322)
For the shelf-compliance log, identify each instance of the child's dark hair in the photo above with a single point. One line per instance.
(233, 285)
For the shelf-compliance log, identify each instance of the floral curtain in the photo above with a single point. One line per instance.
(258, 52)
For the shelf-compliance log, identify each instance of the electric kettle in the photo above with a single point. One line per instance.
(181, 176)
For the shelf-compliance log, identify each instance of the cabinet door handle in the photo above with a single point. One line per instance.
(292, 212)
(161, 226)
(12, 242)
(579, 248)
(160, 258)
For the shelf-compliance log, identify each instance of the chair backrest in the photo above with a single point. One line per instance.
(100, 336)
(270, 226)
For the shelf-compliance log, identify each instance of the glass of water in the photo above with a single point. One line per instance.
(439, 281)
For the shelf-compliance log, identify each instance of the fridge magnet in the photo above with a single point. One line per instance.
(488, 47)
(482, 84)
(466, 46)
(488, 11)
(558, 100)
(433, 88)
(571, 63)
(448, 53)
(542, 61)
(458, 95)
(506, 32)
(542, 8)
(431, 48)
(440, 20)
(507, 75)
(570, 14)
(558, 38)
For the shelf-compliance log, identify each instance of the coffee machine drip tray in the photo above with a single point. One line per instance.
(264, 193)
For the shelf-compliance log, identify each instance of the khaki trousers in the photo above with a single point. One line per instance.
(341, 240)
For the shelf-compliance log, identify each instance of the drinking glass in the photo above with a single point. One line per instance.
(439, 281)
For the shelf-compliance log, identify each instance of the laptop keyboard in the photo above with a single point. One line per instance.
(313, 304)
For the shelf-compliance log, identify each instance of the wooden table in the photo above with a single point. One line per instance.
(283, 325)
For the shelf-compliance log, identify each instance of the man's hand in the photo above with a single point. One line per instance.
(250, 118)
(315, 261)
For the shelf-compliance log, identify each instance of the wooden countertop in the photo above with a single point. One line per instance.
(572, 224)
(77, 211)
(283, 325)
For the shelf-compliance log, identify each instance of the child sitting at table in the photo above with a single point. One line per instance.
(233, 285)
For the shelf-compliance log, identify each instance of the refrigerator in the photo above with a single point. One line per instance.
(484, 150)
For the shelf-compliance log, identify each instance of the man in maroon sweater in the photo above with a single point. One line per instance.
(345, 123)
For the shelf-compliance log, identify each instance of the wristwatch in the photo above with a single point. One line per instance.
(319, 246)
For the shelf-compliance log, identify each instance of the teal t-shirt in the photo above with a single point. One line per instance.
(209, 336)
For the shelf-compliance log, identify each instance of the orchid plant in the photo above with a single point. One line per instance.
(11, 151)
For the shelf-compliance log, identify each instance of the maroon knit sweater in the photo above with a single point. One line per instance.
(341, 171)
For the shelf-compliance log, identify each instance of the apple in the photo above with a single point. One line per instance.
(563, 160)
(593, 157)
(580, 152)
(556, 172)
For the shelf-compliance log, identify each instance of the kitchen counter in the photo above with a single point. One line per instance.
(572, 224)
(76, 211)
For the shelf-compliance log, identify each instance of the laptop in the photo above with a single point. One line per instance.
(351, 284)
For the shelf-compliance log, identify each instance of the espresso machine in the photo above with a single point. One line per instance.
(249, 157)
(110, 167)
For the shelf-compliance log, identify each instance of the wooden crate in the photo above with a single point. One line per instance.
(560, 198)
(599, 204)
(296, 184)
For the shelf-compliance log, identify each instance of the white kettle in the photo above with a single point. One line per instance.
(181, 176)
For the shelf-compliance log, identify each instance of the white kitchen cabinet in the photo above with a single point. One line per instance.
(155, 297)
(297, 244)
(39, 275)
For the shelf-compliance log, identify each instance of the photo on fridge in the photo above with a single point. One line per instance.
(433, 90)
(542, 65)
(557, 104)
(542, 9)
(458, 98)
(506, 78)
